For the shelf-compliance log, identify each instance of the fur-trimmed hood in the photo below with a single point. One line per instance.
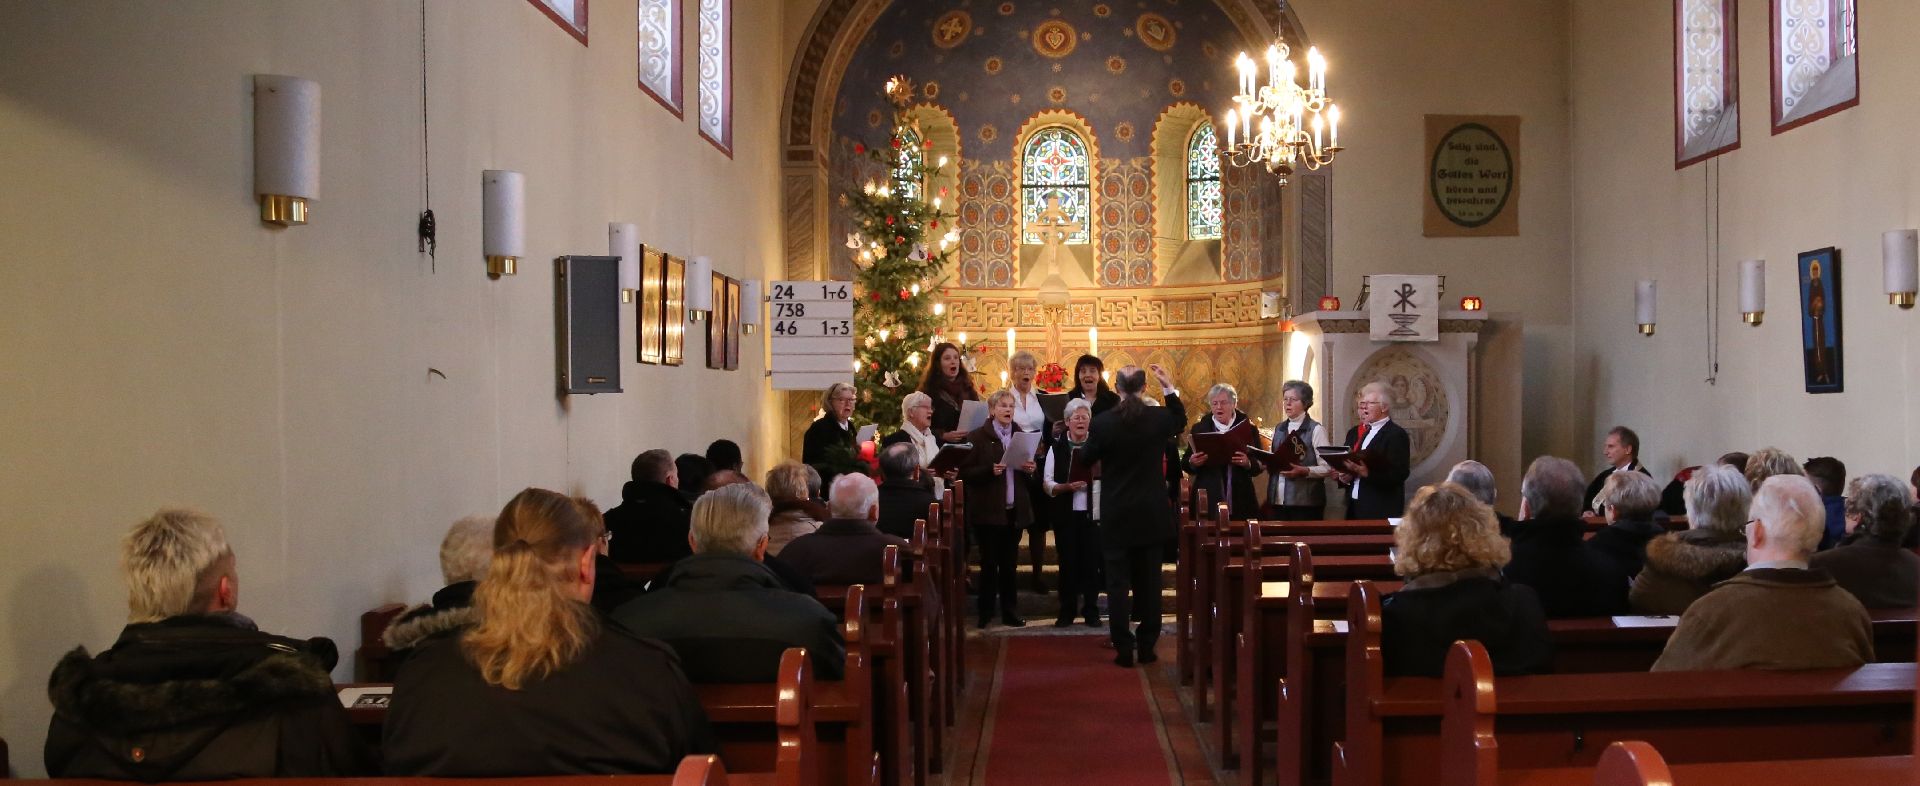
(426, 622)
(1700, 555)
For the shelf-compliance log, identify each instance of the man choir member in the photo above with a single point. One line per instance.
(1377, 493)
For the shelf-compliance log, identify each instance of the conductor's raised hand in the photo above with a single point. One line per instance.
(1166, 382)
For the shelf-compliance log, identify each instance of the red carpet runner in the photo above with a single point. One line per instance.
(1065, 715)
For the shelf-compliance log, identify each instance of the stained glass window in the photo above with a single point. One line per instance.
(716, 73)
(906, 177)
(1055, 164)
(1203, 185)
(1815, 66)
(570, 14)
(659, 36)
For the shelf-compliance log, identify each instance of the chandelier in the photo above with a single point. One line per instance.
(1284, 124)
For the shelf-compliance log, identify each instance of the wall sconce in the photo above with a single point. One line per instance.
(623, 241)
(1644, 296)
(1329, 303)
(1753, 290)
(749, 305)
(1472, 303)
(286, 146)
(1900, 250)
(699, 287)
(503, 217)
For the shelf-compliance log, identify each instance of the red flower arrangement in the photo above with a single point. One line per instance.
(1052, 379)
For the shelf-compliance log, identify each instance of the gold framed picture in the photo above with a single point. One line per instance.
(674, 313)
(733, 324)
(717, 325)
(653, 304)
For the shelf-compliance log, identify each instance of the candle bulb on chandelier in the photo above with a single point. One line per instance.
(1233, 123)
(1333, 124)
(1316, 132)
(1316, 69)
(1093, 341)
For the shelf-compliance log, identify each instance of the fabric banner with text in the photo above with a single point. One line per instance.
(1404, 308)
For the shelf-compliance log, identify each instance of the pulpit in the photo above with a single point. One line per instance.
(1432, 384)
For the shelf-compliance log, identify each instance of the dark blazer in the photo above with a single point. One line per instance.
(649, 524)
(1550, 555)
(1101, 402)
(1383, 495)
(1419, 624)
(1242, 503)
(817, 445)
(842, 551)
(1600, 481)
(986, 492)
(946, 412)
(1624, 542)
(729, 618)
(903, 502)
(623, 707)
(1134, 507)
(1881, 575)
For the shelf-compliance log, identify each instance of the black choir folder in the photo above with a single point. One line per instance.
(949, 458)
(1220, 446)
(1338, 455)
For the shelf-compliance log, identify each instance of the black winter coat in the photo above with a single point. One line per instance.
(1572, 580)
(1134, 505)
(1624, 542)
(903, 502)
(730, 619)
(650, 523)
(623, 707)
(201, 698)
(1419, 624)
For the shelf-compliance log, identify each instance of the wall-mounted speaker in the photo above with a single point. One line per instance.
(587, 290)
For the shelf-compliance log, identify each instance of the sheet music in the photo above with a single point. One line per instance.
(1021, 448)
(1648, 621)
(866, 434)
(973, 414)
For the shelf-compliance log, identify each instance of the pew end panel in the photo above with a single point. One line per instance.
(1632, 763)
(374, 661)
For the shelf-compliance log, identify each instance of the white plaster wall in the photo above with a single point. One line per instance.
(1840, 181)
(164, 347)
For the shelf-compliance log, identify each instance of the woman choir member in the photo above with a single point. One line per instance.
(831, 433)
(998, 505)
(1076, 522)
(1299, 493)
(949, 385)
(1029, 416)
(1089, 384)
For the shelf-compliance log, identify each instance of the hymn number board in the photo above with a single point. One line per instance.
(811, 324)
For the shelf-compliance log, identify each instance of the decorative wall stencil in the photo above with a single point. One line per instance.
(987, 225)
(1417, 396)
(1126, 225)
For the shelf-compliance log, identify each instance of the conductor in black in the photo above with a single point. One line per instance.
(1136, 518)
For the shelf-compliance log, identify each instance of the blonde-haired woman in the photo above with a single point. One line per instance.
(1450, 552)
(539, 685)
(794, 511)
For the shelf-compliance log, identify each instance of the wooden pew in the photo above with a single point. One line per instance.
(896, 645)
(1393, 726)
(373, 661)
(701, 770)
(1637, 763)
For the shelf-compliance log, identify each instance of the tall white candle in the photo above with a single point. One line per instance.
(1753, 286)
(1093, 341)
(1010, 349)
(1333, 124)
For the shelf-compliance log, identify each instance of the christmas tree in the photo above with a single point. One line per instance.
(900, 252)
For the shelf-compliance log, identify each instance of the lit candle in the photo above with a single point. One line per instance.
(1246, 125)
(1009, 343)
(1287, 71)
(943, 162)
(963, 338)
(1316, 131)
(1333, 121)
(1093, 341)
(1316, 69)
(1003, 379)
(1273, 66)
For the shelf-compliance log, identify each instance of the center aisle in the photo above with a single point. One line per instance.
(1059, 712)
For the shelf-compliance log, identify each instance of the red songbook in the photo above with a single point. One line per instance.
(1220, 446)
(1338, 455)
(1079, 470)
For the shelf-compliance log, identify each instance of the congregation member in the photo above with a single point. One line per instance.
(726, 614)
(1682, 566)
(1076, 520)
(1829, 476)
(1768, 462)
(1090, 383)
(1870, 561)
(541, 684)
(192, 690)
(916, 431)
(465, 554)
(1449, 551)
(694, 470)
(1226, 479)
(1622, 452)
(1136, 514)
(1028, 415)
(998, 507)
(724, 454)
(1378, 494)
(1299, 493)
(1477, 479)
(847, 549)
(904, 497)
(949, 386)
(1549, 549)
(1630, 501)
(1673, 498)
(794, 511)
(650, 523)
(1777, 613)
(720, 478)
(827, 445)
(611, 587)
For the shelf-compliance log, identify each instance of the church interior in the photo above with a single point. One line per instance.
(336, 394)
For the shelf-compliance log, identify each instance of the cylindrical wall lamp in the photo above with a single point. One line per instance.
(749, 305)
(503, 216)
(286, 146)
(699, 287)
(623, 241)
(1900, 250)
(1753, 290)
(1644, 296)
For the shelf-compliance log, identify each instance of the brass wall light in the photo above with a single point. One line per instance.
(1753, 291)
(749, 305)
(503, 217)
(286, 147)
(623, 241)
(699, 287)
(1644, 301)
(1900, 250)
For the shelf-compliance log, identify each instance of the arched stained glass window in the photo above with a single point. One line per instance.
(906, 176)
(1203, 185)
(1055, 164)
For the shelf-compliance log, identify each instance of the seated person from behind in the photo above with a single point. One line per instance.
(1778, 613)
(724, 454)
(192, 690)
(1477, 479)
(541, 684)
(794, 511)
(650, 523)
(848, 548)
(1549, 548)
(1631, 503)
(1450, 552)
(1682, 566)
(1829, 476)
(904, 497)
(1869, 562)
(726, 614)
(464, 555)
